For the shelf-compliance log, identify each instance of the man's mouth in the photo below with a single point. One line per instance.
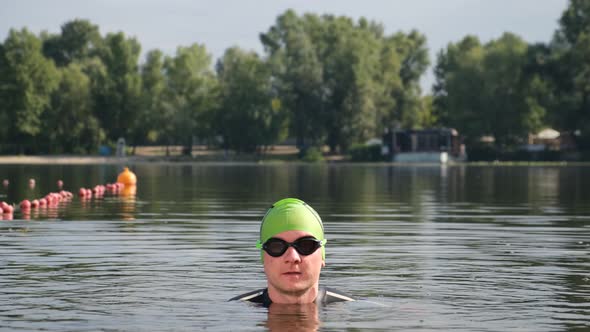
(292, 273)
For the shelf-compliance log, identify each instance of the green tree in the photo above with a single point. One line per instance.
(539, 73)
(390, 64)
(575, 21)
(118, 87)
(149, 124)
(350, 67)
(191, 95)
(69, 126)
(457, 101)
(78, 41)
(486, 90)
(412, 52)
(344, 81)
(27, 80)
(508, 116)
(571, 49)
(247, 117)
(426, 115)
(297, 67)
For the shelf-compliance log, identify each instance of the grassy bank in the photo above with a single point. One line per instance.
(277, 154)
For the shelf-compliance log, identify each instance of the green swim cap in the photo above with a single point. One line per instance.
(291, 214)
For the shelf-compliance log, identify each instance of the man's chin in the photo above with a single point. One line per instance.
(294, 289)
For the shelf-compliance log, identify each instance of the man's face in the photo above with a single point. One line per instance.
(293, 274)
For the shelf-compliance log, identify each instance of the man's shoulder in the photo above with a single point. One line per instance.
(331, 295)
(256, 296)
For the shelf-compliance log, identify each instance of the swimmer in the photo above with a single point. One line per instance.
(292, 249)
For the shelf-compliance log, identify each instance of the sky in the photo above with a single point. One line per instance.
(220, 24)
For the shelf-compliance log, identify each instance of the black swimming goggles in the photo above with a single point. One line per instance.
(304, 246)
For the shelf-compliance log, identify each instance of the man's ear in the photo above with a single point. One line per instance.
(323, 263)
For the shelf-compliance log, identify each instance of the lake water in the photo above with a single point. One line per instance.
(425, 248)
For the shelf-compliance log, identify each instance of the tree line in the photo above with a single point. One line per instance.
(322, 80)
(507, 88)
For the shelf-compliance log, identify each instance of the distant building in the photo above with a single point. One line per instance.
(440, 145)
(550, 139)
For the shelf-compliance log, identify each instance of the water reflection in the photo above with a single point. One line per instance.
(127, 197)
(293, 317)
(457, 248)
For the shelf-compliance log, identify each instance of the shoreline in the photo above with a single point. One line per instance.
(75, 160)
(98, 160)
(243, 160)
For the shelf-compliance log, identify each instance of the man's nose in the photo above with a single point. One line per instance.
(291, 255)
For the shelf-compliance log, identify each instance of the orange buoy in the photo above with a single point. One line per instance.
(127, 177)
(129, 190)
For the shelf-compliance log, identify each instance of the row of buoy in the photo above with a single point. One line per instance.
(125, 185)
(6, 208)
(99, 190)
(53, 198)
(49, 201)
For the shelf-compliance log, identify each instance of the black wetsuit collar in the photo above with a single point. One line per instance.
(325, 295)
(320, 297)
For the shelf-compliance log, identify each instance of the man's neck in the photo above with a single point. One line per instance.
(307, 296)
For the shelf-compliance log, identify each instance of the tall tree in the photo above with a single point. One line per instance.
(70, 126)
(295, 63)
(575, 21)
(458, 80)
(341, 79)
(485, 90)
(78, 40)
(149, 124)
(413, 54)
(571, 47)
(509, 117)
(27, 79)
(117, 98)
(191, 94)
(247, 118)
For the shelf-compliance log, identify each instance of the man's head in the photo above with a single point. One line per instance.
(292, 249)
(291, 214)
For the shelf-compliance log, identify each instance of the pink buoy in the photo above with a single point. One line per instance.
(25, 204)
